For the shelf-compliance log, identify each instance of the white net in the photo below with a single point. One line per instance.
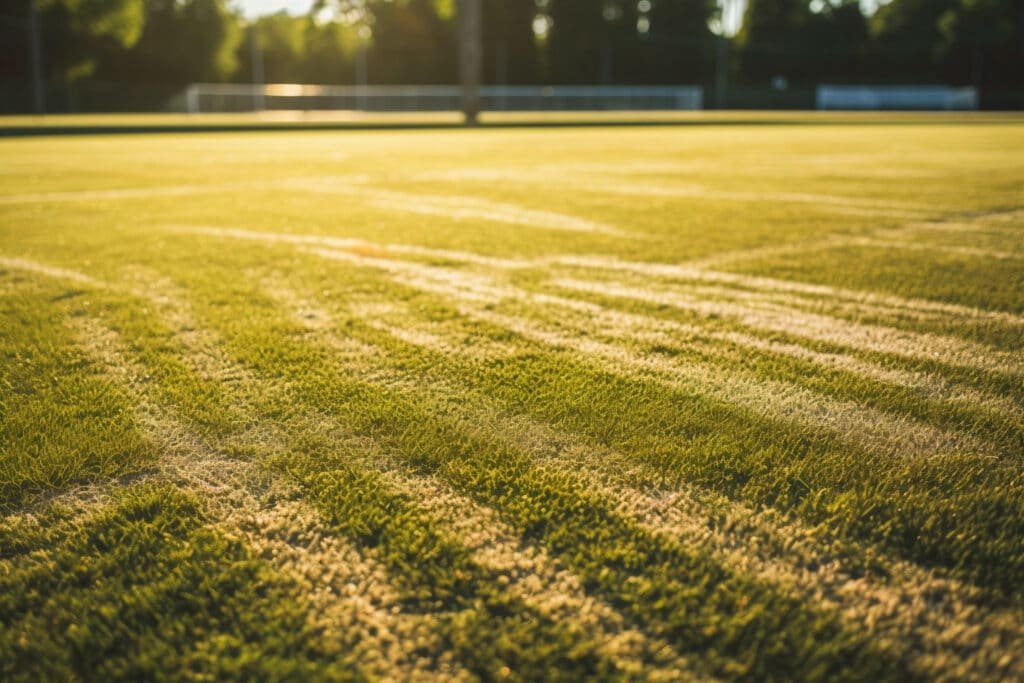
(236, 97)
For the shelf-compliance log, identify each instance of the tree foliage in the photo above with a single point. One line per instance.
(82, 29)
(172, 42)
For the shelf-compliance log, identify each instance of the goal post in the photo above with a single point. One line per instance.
(242, 97)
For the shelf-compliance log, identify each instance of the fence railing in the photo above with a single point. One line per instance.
(895, 97)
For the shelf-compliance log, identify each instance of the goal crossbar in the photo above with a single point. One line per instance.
(231, 97)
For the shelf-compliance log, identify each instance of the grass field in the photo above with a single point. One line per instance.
(634, 403)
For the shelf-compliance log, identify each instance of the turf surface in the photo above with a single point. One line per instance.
(636, 403)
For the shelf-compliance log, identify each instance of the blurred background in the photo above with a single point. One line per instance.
(141, 55)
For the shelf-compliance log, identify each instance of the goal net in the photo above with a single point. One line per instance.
(235, 97)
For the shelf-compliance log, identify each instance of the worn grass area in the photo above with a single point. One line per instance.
(733, 403)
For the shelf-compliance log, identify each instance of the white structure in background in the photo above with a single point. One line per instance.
(895, 97)
(240, 97)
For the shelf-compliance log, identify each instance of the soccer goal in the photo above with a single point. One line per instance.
(237, 97)
(908, 97)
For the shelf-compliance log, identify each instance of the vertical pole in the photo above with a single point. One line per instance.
(361, 77)
(258, 101)
(721, 72)
(470, 57)
(36, 57)
(606, 64)
(501, 72)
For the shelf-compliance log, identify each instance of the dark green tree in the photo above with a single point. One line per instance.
(413, 42)
(979, 42)
(908, 42)
(183, 41)
(77, 32)
(773, 41)
(511, 53)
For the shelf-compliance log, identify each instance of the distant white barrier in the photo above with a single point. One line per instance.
(895, 97)
(229, 97)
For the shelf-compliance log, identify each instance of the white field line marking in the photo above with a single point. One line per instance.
(767, 284)
(853, 205)
(357, 245)
(931, 246)
(1013, 216)
(394, 319)
(974, 226)
(585, 179)
(818, 327)
(873, 428)
(934, 385)
(432, 338)
(464, 208)
(480, 289)
(539, 580)
(156, 192)
(635, 327)
(159, 191)
(884, 303)
(842, 311)
(48, 271)
(348, 590)
(902, 237)
(872, 240)
(940, 617)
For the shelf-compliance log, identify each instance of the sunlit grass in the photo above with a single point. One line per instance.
(739, 402)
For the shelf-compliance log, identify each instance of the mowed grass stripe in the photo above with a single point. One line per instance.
(474, 634)
(1003, 332)
(521, 569)
(970, 401)
(586, 178)
(927, 510)
(686, 272)
(905, 421)
(836, 540)
(347, 594)
(895, 610)
(459, 208)
(798, 487)
(574, 524)
(882, 432)
(988, 393)
(785, 292)
(821, 328)
(144, 586)
(61, 424)
(176, 455)
(526, 570)
(348, 597)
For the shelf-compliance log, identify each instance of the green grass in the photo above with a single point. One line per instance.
(636, 403)
(115, 596)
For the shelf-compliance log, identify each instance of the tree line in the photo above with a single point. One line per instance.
(160, 45)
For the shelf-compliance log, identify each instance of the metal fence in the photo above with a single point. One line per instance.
(909, 97)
